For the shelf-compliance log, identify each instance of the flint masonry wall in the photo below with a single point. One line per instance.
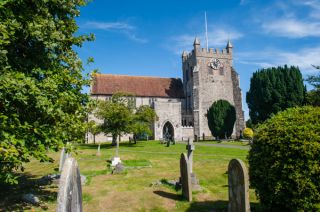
(211, 84)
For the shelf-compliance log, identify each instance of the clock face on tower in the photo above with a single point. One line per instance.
(214, 63)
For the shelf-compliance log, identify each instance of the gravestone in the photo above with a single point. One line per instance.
(194, 181)
(70, 191)
(238, 181)
(63, 157)
(185, 177)
(98, 152)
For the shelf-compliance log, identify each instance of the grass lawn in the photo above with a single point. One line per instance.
(136, 189)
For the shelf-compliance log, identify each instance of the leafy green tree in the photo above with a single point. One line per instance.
(221, 118)
(313, 96)
(41, 104)
(284, 163)
(116, 116)
(143, 118)
(273, 90)
(120, 116)
(94, 129)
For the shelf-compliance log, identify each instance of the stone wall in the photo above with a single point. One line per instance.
(167, 109)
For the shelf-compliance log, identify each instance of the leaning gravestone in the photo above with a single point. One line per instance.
(70, 191)
(185, 177)
(238, 181)
(63, 157)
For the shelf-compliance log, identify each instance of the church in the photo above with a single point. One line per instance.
(180, 104)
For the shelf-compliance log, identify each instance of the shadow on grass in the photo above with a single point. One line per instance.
(217, 206)
(168, 195)
(11, 195)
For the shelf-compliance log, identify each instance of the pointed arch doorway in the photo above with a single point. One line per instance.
(168, 132)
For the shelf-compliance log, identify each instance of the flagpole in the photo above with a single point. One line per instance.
(206, 25)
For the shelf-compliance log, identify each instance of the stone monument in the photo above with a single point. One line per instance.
(115, 160)
(98, 151)
(63, 157)
(238, 181)
(185, 177)
(70, 190)
(194, 181)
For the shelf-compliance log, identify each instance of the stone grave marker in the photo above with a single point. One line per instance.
(194, 181)
(70, 190)
(98, 151)
(185, 177)
(238, 181)
(63, 157)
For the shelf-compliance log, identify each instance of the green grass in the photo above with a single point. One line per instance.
(147, 162)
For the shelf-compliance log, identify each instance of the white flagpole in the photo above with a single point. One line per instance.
(206, 25)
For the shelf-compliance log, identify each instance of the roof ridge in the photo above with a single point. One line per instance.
(124, 75)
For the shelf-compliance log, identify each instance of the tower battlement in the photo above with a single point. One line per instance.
(197, 51)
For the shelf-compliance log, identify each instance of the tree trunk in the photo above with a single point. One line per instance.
(94, 139)
(114, 140)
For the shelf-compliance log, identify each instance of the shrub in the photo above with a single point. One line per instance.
(284, 160)
(248, 133)
(221, 118)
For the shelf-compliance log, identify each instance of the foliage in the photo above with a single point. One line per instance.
(221, 118)
(117, 118)
(273, 90)
(142, 120)
(94, 129)
(41, 104)
(313, 96)
(249, 123)
(248, 133)
(284, 160)
(120, 116)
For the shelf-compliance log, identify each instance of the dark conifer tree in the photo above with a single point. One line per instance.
(273, 90)
(221, 118)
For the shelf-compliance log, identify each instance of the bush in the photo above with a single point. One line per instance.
(284, 160)
(221, 118)
(248, 133)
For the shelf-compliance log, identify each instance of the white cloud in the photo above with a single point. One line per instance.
(292, 28)
(122, 27)
(217, 37)
(268, 58)
(109, 25)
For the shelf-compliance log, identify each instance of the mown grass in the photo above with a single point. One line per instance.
(147, 162)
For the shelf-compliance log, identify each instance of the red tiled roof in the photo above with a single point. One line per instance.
(109, 84)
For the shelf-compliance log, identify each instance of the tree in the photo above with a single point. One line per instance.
(41, 104)
(143, 118)
(94, 129)
(116, 116)
(284, 163)
(221, 118)
(313, 96)
(273, 90)
(120, 116)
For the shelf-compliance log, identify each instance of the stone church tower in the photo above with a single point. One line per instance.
(209, 76)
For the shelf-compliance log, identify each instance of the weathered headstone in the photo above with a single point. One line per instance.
(238, 181)
(185, 177)
(70, 190)
(195, 138)
(63, 157)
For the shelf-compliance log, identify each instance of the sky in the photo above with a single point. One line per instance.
(147, 37)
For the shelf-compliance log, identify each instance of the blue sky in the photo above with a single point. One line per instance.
(147, 37)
